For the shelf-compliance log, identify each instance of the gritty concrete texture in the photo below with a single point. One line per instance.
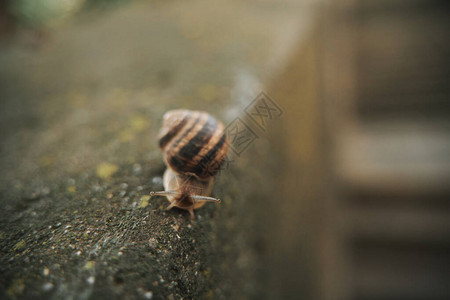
(79, 116)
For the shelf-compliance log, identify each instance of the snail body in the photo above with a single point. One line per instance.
(194, 146)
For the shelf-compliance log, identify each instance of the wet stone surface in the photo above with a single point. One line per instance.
(94, 243)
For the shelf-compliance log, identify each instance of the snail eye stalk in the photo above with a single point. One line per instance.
(205, 199)
(165, 193)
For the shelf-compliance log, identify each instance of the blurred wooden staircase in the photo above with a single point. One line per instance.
(387, 93)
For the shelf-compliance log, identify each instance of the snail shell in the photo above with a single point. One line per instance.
(194, 147)
(193, 142)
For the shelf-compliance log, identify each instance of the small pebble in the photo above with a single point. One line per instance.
(137, 169)
(47, 286)
(46, 272)
(157, 180)
(45, 191)
(124, 186)
(90, 280)
(148, 295)
(152, 243)
(122, 193)
(139, 188)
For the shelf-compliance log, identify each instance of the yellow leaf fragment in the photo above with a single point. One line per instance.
(126, 135)
(89, 265)
(144, 201)
(19, 245)
(208, 92)
(139, 123)
(106, 170)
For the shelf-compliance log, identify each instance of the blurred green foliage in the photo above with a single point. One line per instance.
(38, 13)
(105, 3)
(42, 12)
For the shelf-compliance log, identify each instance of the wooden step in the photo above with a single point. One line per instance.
(394, 270)
(403, 59)
(397, 156)
(407, 224)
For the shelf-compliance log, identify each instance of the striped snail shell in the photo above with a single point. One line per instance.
(194, 147)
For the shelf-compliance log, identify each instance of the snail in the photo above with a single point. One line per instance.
(194, 147)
